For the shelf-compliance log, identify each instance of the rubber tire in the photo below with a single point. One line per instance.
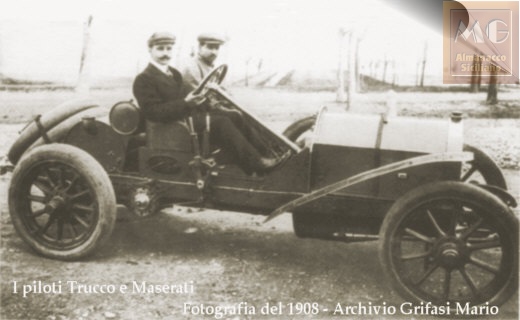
(487, 167)
(449, 189)
(93, 173)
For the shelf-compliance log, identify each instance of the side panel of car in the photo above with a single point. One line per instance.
(341, 218)
(100, 141)
(332, 163)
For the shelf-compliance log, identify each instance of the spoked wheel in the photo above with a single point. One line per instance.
(61, 201)
(482, 169)
(451, 242)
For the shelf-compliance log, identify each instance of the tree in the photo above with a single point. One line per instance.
(475, 75)
(492, 88)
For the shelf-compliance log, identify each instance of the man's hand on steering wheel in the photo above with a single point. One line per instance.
(214, 78)
(195, 98)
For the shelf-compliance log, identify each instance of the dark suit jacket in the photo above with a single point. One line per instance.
(161, 97)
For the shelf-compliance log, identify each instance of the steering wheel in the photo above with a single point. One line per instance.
(215, 76)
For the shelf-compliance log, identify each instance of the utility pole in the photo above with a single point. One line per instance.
(83, 85)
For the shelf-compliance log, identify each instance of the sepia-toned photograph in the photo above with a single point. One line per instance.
(262, 159)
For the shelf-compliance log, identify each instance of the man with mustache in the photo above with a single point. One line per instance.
(163, 98)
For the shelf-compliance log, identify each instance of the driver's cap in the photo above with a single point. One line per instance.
(211, 38)
(162, 37)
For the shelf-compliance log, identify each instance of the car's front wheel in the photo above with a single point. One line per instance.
(61, 201)
(449, 243)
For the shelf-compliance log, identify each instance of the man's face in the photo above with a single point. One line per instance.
(161, 53)
(209, 52)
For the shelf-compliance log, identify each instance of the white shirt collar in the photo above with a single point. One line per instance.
(163, 68)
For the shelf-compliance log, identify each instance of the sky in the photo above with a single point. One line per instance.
(43, 39)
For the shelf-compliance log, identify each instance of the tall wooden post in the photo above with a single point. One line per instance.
(351, 86)
(340, 94)
(385, 65)
(1, 57)
(394, 74)
(418, 74)
(425, 53)
(248, 60)
(356, 67)
(259, 65)
(83, 85)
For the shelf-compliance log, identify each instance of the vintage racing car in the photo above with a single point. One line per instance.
(440, 209)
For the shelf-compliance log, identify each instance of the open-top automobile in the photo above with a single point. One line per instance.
(439, 208)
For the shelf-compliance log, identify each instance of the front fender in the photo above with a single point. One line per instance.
(501, 194)
(44, 123)
(60, 131)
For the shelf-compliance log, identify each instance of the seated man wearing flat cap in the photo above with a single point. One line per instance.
(200, 66)
(203, 62)
(162, 97)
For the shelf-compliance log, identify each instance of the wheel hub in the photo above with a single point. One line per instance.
(56, 202)
(451, 254)
(143, 201)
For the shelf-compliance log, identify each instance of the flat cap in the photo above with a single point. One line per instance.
(162, 37)
(211, 38)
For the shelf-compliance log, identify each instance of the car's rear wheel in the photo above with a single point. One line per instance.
(61, 201)
(451, 242)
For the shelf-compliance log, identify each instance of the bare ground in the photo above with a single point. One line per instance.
(230, 257)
